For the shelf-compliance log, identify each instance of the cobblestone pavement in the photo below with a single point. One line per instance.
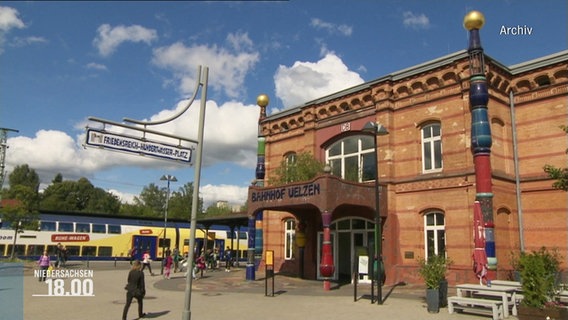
(220, 295)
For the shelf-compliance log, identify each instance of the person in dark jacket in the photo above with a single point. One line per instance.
(135, 288)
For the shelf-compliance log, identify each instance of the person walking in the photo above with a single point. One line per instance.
(228, 259)
(168, 262)
(146, 262)
(135, 288)
(43, 264)
(176, 258)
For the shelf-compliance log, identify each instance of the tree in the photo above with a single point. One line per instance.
(151, 201)
(305, 167)
(21, 213)
(22, 175)
(558, 174)
(216, 210)
(78, 196)
(181, 202)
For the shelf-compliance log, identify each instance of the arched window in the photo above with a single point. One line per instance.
(435, 233)
(353, 158)
(289, 236)
(431, 148)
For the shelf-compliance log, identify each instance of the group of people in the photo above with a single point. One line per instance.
(136, 288)
(44, 262)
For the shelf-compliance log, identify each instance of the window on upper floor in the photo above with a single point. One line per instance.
(353, 158)
(290, 166)
(431, 148)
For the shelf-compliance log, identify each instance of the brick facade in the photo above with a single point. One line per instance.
(404, 101)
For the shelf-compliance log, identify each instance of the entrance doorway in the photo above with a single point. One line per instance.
(350, 238)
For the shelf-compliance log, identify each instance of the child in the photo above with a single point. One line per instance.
(168, 266)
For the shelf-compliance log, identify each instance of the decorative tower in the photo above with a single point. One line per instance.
(255, 241)
(480, 130)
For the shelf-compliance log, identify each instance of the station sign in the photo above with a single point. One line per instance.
(116, 142)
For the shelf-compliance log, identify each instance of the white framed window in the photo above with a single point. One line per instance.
(353, 158)
(431, 148)
(289, 237)
(290, 163)
(435, 234)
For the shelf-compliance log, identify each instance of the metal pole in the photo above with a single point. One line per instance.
(165, 223)
(186, 315)
(378, 229)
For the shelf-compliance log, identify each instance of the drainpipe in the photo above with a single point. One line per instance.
(517, 175)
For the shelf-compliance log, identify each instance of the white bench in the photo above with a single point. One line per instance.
(476, 305)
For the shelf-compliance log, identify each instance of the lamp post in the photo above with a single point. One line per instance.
(168, 178)
(377, 129)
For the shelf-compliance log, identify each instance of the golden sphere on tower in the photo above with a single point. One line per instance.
(262, 100)
(473, 20)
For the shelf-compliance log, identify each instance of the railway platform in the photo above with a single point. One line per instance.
(220, 295)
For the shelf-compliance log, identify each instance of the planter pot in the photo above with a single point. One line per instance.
(443, 293)
(532, 313)
(433, 300)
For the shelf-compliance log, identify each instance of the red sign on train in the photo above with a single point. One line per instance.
(145, 231)
(69, 237)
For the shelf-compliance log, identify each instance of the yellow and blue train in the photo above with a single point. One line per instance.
(107, 237)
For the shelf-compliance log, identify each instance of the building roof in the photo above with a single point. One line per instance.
(425, 67)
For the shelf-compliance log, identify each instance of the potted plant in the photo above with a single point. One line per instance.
(539, 274)
(433, 271)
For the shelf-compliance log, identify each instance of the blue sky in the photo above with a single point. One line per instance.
(62, 62)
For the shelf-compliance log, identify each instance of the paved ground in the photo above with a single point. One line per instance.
(219, 295)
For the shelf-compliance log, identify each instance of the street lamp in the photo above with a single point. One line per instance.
(377, 129)
(168, 178)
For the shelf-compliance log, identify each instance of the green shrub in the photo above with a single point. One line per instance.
(539, 270)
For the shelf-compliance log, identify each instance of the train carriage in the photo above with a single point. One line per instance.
(104, 237)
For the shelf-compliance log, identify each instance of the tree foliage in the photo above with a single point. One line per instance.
(558, 174)
(78, 196)
(305, 167)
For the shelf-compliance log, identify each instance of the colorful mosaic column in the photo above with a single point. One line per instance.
(481, 130)
(327, 269)
(255, 243)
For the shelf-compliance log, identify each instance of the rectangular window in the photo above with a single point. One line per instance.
(431, 148)
(19, 251)
(368, 166)
(35, 249)
(99, 228)
(114, 229)
(89, 251)
(290, 234)
(83, 227)
(105, 251)
(47, 226)
(73, 250)
(66, 227)
(51, 249)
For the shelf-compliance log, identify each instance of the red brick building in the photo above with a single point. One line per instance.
(426, 169)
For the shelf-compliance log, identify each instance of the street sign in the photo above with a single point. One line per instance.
(113, 141)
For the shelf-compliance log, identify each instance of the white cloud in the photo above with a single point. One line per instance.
(230, 136)
(231, 194)
(96, 66)
(332, 28)
(305, 81)
(8, 20)
(416, 21)
(108, 38)
(227, 69)
(21, 42)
